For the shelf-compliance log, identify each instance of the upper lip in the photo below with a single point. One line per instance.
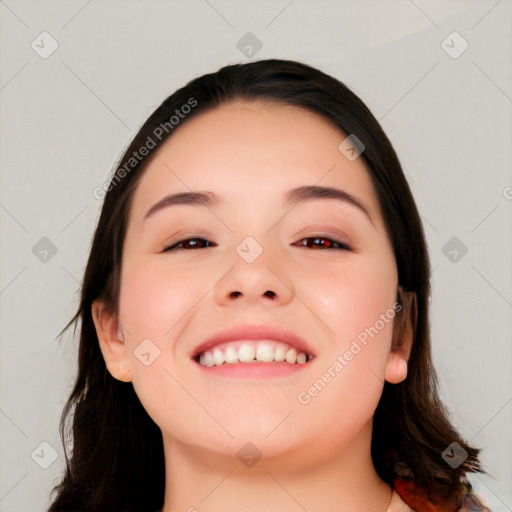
(254, 332)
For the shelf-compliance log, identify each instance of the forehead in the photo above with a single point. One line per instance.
(251, 152)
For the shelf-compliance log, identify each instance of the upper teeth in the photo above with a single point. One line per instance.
(249, 352)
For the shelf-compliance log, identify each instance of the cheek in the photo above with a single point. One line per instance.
(154, 304)
(357, 306)
(153, 308)
(154, 300)
(356, 303)
(353, 296)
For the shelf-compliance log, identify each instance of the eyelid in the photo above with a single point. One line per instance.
(343, 245)
(320, 231)
(178, 239)
(338, 236)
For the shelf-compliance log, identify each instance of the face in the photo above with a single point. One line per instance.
(321, 268)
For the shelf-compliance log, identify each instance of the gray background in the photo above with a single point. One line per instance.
(66, 117)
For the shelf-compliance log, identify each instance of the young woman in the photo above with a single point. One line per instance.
(254, 315)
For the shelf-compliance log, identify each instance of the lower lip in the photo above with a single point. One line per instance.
(253, 370)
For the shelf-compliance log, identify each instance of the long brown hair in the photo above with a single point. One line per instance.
(117, 461)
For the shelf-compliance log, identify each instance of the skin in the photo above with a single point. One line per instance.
(316, 455)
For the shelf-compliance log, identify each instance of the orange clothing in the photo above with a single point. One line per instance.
(418, 500)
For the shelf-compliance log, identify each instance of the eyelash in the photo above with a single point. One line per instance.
(341, 245)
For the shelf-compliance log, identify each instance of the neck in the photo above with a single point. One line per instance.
(199, 481)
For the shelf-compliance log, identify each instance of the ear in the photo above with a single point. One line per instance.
(404, 327)
(111, 342)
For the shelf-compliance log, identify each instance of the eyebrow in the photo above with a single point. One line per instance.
(292, 197)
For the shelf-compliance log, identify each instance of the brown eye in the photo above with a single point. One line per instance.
(189, 243)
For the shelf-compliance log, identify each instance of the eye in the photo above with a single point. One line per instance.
(329, 243)
(189, 243)
(202, 243)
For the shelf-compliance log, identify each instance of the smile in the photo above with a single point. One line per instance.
(251, 351)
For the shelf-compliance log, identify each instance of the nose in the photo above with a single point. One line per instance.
(266, 280)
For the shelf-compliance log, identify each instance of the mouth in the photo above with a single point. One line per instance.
(250, 352)
(253, 351)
